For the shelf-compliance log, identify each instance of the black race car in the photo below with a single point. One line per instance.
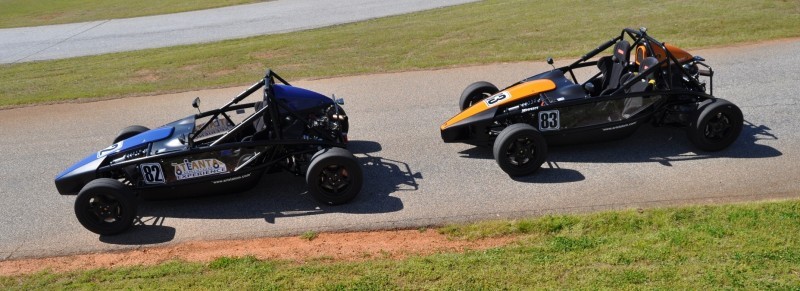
(661, 84)
(289, 129)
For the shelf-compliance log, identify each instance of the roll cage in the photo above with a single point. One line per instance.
(640, 37)
(271, 109)
(292, 146)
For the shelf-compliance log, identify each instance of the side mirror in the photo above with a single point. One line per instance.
(550, 61)
(589, 87)
(196, 104)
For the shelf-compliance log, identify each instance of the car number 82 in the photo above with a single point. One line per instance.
(549, 120)
(152, 173)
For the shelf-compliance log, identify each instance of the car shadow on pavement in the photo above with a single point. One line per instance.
(551, 172)
(666, 145)
(147, 230)
(278, 195)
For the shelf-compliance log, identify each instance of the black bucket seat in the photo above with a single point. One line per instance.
(619, 63)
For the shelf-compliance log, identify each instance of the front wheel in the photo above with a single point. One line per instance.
(520, 150)
(129, 132)
(716, 125)
(476, 92)
(105, 206)
(334, 176)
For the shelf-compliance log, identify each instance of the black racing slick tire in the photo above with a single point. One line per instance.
(129, 131)
(717, 123)
(105, 206)
(334, 176)
(520, 150)
(476, 92)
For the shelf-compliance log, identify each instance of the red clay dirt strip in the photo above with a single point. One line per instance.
(354, 246)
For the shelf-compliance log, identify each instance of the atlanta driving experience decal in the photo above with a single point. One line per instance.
(198, 168)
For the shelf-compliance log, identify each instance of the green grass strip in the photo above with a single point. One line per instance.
(477, 33)
(750, 246)
(18, 13)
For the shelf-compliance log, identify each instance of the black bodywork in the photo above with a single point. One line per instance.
(665, 93)
(663, 85)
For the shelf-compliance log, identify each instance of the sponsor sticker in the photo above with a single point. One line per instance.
(619, 126)
(216, 127)
(530, 109)
(231, 179)
(198, 168)
(496, 98)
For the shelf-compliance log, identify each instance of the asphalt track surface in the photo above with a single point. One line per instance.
(116, 35)
(413, 179)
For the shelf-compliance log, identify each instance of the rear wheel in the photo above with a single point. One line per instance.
(129, 132)
(105, 206)
(476, 92)
(334, 176)
(717, 123)
(520, 150)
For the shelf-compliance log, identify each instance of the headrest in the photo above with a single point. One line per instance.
(647, 63)
(621, 51)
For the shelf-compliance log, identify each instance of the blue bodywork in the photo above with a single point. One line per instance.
(299, 99)
(73, 178)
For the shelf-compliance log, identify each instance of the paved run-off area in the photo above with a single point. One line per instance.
(412, 178)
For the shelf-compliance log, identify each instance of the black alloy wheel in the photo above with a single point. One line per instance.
(334, 176)
(717, 124)
(105, 206)
(718, 127)
(520, 150)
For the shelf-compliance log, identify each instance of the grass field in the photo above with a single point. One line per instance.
(747, 246)
(477, 33)
(18, 13)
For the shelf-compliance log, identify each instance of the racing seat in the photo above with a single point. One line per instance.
(619, 61)
(647, 82)
(634, 105)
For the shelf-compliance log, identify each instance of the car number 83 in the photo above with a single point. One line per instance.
(549, 120)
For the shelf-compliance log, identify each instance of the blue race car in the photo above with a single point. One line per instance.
(290, 129)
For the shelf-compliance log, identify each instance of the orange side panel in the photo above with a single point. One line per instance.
(509, 95)
(658, 53)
